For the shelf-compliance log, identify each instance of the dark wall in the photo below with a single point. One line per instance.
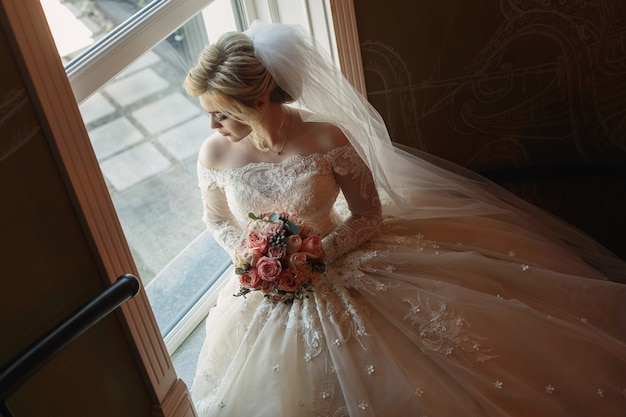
(48, 271)
(529, 93)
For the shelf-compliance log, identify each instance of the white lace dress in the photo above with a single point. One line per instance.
(466, 316)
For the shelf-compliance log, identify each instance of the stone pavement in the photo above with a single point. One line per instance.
(146, 133)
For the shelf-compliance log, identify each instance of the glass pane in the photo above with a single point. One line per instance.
(146, 133)
(77, 25)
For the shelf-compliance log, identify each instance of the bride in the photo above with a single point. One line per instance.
(439, 294)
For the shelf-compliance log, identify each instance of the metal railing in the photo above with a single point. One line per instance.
(29, 361)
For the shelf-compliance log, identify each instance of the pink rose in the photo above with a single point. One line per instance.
(257, 240)
(312, 246)
(293, 244)
(268, 268)
(287, 281)
(250, 279)
(276, 252)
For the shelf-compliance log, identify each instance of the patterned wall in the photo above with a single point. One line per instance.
(518, 85)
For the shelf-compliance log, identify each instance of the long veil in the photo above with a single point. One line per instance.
(412, 184)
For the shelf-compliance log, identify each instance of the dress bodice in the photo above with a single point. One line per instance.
(307, 186)
(303, 185)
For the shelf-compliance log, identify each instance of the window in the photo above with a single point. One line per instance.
(126, 61)
(145, 132)
(77, 25)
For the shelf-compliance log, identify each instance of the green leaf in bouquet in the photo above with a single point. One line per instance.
(274, 217)
(291, 228)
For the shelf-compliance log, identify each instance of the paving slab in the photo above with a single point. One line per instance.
(136, 86)
(113, 137)
(134, 165)
(96, 107)
(184, 141)
(166, 113)
(145, 61)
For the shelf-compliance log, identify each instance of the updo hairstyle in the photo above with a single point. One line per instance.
(233, 78)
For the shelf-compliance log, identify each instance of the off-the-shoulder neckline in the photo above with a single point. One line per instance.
(278, 163)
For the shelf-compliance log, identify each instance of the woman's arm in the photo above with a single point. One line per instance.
(216, 212)
(219, 220)
(357, 184)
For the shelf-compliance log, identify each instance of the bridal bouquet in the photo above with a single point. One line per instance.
(279, 256)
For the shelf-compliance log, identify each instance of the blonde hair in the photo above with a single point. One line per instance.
(233, 78)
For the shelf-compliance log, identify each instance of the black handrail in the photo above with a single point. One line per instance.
(29, 361)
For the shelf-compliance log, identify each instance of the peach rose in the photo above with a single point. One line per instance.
(287, 281)
(268, 286)
(268, 268)
(297, 262)
(257, 241)
(313, 248)
(250, 279)
(293, 244)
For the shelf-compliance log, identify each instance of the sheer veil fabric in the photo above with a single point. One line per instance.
(458, 300)
(406, 178)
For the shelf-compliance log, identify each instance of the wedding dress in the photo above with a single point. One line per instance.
(427, 316)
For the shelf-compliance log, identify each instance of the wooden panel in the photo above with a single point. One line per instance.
(49, 270)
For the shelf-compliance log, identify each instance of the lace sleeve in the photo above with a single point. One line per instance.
(216, 213)
(357, 185)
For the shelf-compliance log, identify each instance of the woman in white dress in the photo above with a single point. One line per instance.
(442, 294)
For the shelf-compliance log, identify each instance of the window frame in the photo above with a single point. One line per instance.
(128, 42)
(59, 107)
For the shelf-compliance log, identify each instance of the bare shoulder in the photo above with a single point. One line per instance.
(213, 150)
(326, 137)
(334, 136)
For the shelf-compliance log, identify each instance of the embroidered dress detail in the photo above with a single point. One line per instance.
(444, 332)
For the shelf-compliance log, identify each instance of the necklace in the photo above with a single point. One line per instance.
(280, 131)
